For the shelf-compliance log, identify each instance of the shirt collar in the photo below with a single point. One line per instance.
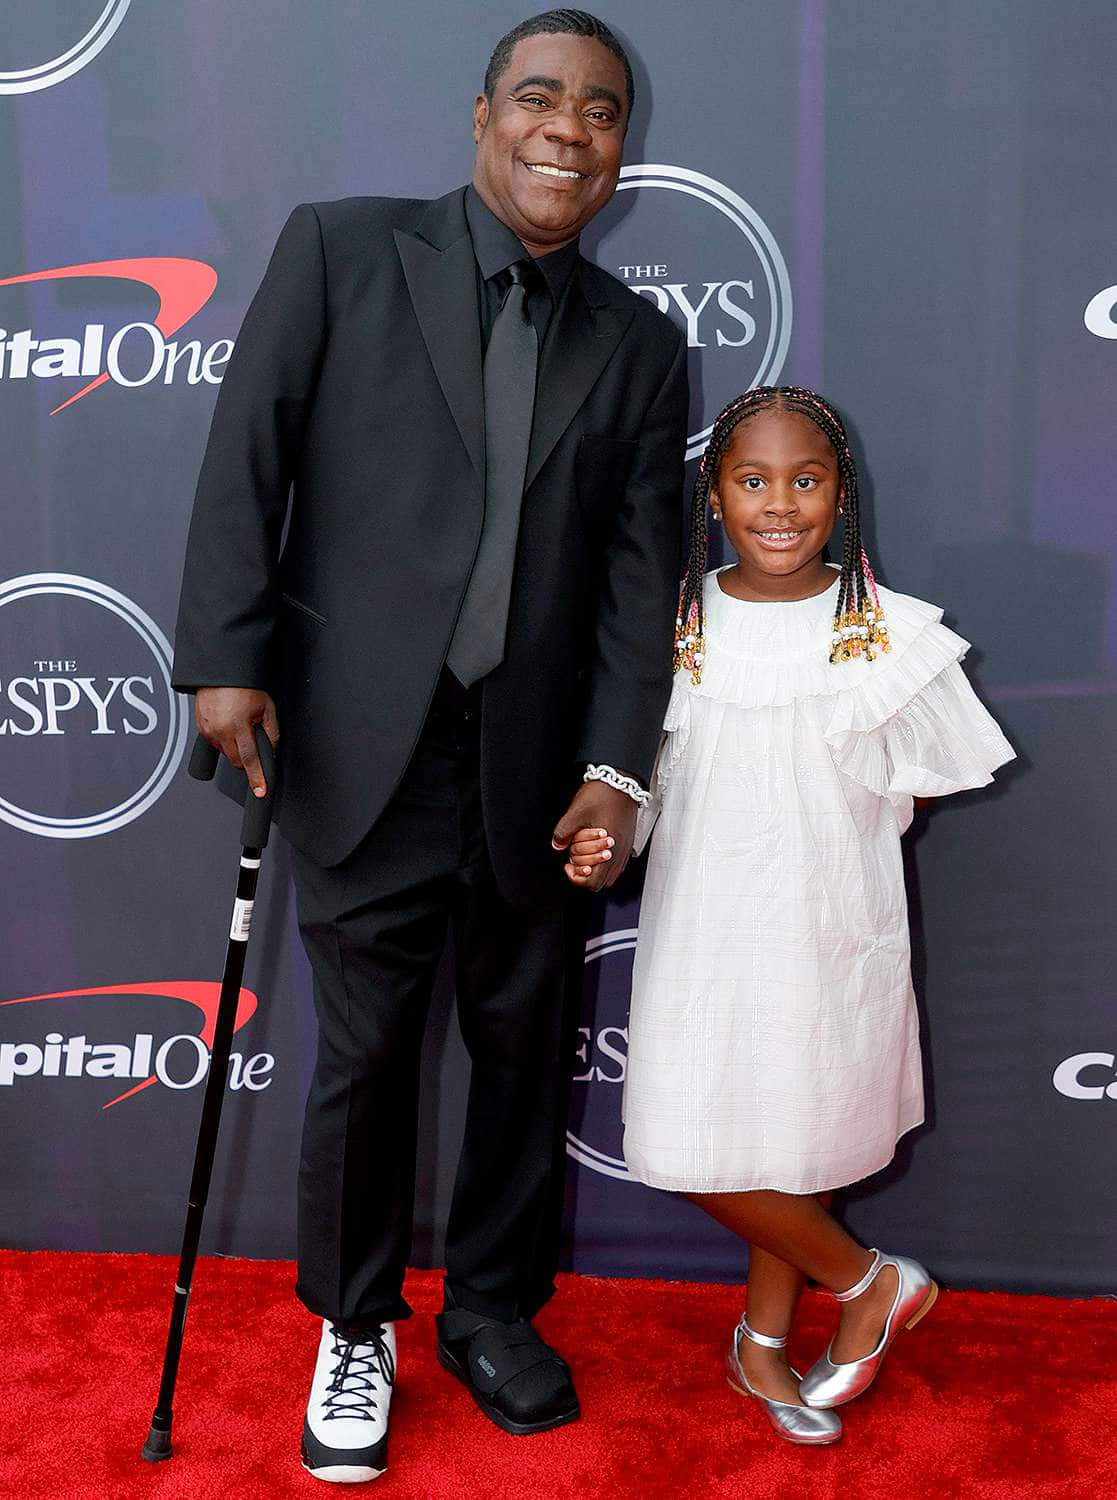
(496, 247)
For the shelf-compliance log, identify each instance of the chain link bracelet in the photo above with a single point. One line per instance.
(626, 784)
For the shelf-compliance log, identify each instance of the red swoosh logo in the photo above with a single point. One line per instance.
(183, 288)
(203, 994)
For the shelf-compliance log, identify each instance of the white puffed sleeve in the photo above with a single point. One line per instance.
(912, 726)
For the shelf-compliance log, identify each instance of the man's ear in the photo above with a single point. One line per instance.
(480, 116)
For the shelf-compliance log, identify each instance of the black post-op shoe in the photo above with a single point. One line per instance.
(517, 1380)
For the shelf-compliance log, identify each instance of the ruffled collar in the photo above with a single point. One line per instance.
(763, 655)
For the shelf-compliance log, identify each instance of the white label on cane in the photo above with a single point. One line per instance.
(242, 919)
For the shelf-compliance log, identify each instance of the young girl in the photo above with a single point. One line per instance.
(773, 1040)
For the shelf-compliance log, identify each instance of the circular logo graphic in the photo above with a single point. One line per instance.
(91, 731)
(1099, 315)
(66, 64)
(602, 1052)
(719, 273)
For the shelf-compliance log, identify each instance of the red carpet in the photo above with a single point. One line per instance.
(993, 1395)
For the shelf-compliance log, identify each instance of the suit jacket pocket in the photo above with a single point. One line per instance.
(602, 468)
(304, 609)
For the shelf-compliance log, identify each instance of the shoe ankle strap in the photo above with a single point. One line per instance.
(765, 1340)
(865, 1282)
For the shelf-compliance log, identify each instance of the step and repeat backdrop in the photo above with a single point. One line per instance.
(908, 207)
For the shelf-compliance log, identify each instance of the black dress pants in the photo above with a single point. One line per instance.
(374, 928)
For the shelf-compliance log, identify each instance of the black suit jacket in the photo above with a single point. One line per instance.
(355, 390)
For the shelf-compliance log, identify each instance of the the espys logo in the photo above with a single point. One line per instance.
(602, 1056)
(705, 256)
(177, 1062)
(91, 731)
(138, 353)
(1099, 316)
(73, 58)
(1087, 1075)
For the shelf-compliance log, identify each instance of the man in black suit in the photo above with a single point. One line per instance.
(465, 636)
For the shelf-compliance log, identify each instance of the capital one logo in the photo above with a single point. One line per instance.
(138, 353)
(176, 1062)
(74, 57)
(594, 1138)
(91, 731)
(704, 256)
(1087, 1075)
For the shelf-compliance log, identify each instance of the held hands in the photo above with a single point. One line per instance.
(591, 847)
(227, 716)
(597, 830)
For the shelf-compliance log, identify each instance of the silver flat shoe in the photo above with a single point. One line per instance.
(827, 1384)
(798, 1424)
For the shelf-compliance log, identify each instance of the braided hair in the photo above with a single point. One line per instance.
(859, 628)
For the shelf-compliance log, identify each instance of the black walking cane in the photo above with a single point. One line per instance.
(254, 838)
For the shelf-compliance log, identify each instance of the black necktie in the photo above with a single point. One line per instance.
(509, 382)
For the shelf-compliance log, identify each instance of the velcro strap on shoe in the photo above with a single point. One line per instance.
(498, 1354)
(456, 1323)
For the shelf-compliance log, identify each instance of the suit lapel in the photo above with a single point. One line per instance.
(578, 347)
(441, 273)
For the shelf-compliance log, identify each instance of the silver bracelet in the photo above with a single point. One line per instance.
(626, 784)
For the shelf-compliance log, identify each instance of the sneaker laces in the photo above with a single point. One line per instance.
(360, 1364)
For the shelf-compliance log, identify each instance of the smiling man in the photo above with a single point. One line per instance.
(475, 439)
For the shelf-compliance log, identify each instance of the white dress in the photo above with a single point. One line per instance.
(773, 1039)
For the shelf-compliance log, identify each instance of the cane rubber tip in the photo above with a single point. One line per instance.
(157, 1447)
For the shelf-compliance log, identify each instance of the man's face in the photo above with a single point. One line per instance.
(549, 144)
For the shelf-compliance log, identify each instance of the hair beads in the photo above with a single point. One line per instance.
(858, 628)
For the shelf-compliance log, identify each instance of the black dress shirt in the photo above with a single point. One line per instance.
(496, 247)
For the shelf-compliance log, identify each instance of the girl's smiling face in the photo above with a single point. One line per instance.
(777, 491)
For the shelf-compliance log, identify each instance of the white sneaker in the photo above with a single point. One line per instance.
(345, 1436)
